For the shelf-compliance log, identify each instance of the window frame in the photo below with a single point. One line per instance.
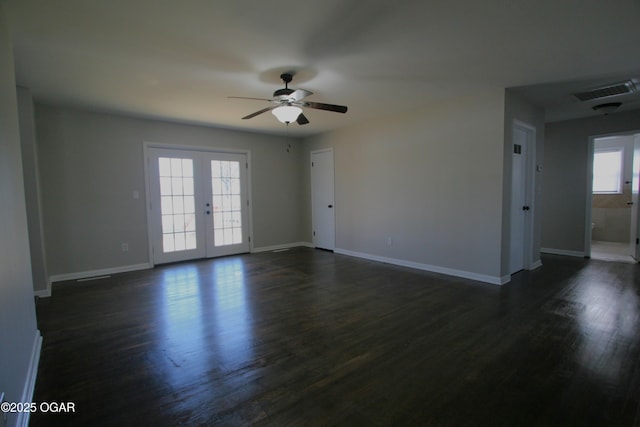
(619, 189)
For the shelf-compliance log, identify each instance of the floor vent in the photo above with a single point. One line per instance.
(607, 91)
(88, 279)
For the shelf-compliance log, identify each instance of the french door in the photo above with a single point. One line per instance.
(198, 204)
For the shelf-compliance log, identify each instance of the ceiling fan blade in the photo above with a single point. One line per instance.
(302, 119)
(264, 110)
(298, 94)
(328, 107)
(244, 97)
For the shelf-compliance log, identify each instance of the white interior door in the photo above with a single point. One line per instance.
(198, 204)
(519, 204)
(322, 199)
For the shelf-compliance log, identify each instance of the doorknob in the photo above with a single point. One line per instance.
(208, 212)
(330, 206)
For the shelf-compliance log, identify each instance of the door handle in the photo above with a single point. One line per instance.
(330, 206)
(525, 208)
(629, 203)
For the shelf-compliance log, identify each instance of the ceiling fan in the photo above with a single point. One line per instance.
(287, 103)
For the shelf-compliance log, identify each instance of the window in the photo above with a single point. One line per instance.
(607, 171)
(177, 204)
(227, 204)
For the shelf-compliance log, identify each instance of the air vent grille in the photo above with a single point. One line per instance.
(606, 91)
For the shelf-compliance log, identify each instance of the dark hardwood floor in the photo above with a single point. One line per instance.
(306, 337)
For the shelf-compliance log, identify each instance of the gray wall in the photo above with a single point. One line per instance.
(19, 337)
(432, 180)
(90, 164)
(565, 175)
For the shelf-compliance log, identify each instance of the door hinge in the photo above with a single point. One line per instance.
(246, 165)
(314, 233)
(637, 241)
(311, 164)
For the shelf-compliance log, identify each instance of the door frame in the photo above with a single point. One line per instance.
(588, 235)
(147, 145)
(530, 186)
(588, 215)
(635, 198)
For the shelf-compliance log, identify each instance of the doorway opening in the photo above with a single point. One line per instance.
(612, 210)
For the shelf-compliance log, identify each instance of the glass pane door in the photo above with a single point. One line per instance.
(176, 223)
(198, 204)
(228, 226)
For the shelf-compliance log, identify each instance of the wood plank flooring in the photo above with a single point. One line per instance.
(309, 338)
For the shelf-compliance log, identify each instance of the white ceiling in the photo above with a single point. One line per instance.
(180, 60)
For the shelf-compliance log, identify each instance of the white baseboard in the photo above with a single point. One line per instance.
(562, 252)
(30, 383)
(494, 280)
(44, 293)
(101, 272)
(535, 264)
(280, 247)
(502, 280)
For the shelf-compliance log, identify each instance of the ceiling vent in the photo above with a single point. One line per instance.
(607, 91)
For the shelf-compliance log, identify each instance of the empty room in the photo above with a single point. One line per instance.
(319, 213)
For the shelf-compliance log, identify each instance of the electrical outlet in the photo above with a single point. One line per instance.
(125, 247)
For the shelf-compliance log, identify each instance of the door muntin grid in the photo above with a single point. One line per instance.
(226, 199)
(177, 204)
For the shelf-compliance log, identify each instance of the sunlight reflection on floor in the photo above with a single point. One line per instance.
(233, 316)
(608, 325)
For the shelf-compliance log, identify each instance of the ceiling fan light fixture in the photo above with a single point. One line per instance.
(287, 113)
(287, 101)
